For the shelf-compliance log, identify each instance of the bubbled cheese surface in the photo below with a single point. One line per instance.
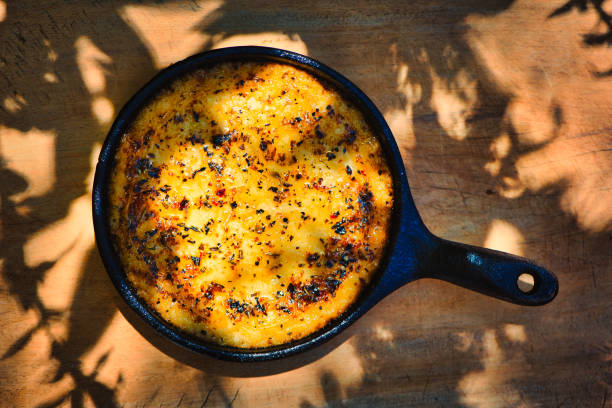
(249, 204)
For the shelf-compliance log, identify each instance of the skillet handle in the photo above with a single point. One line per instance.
(492, 273)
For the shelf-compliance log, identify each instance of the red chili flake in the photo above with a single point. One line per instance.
(212, 288)
(334, 215)
(221, 192)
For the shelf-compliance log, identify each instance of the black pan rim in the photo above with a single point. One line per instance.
(105, 163)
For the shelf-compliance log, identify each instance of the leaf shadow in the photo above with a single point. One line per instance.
(591, 39)
(53, 97)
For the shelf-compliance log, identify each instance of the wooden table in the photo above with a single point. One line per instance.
(504, 118)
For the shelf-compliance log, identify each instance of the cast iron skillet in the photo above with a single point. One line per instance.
(412, 251)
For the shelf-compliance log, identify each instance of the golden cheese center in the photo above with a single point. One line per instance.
(250, 204)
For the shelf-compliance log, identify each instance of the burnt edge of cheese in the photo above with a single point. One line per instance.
(249, 204)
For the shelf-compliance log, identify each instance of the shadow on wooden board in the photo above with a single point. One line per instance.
(420, 44)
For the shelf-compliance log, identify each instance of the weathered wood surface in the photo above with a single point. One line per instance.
(504, 118)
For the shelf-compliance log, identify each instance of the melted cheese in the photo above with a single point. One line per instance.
(249, 204)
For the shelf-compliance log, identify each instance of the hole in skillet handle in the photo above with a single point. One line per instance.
(494, 273)
(526, 282)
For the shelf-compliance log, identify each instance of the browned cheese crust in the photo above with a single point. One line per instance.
(250, 204)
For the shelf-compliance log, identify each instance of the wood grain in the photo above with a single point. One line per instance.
(502, 110)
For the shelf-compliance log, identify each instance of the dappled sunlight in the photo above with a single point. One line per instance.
(30, 154)
(503, 236)
(330, 378)
(400, 123)
(463, 341)
(411, 91)
(91, 61)
(577, 167)
(401, 120)
(51, 77)
(500, 148)
(130, 349)
(599, 35)
(183, 39)
(168, 30)
(557, 141)
(493, 167)
(51, 256)
(266, 39)
(533, 116)
(383, 334)
(74, 239)
(60, 84)
(13, 104)
(132, 367)
(490, 387)
(454, 101)
(93, 162)
(337, 374)
(51, 53)
(73, 236)
(510, 187)
(63, 232)
(590, 202)
(515, 333)
(103, 110)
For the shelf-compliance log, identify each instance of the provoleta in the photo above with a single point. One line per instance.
(250, 204)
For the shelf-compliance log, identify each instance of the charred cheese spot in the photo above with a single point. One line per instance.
(250, 204)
